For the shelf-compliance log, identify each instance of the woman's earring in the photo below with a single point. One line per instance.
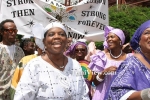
(120, 43)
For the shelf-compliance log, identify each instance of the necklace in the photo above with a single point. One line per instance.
(144, 56)
(115, 56)
(57, 64)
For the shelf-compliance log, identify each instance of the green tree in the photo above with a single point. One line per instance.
(127, 18)
(19, 37)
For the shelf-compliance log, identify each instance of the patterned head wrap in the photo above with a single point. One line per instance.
(137, 35)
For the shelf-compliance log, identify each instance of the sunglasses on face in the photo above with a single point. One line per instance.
(77, 50)
(11, 30)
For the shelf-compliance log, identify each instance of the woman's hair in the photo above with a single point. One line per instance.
(127, 36)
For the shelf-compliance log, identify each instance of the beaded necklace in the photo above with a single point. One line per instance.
(115, 56)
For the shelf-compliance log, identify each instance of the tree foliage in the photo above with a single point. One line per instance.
(127, 18)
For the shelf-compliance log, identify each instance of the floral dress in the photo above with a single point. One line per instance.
(7, 67)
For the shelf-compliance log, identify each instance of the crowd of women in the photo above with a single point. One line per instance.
(62, 70)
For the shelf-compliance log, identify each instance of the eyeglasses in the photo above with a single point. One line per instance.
(11, 30)
(77, 50)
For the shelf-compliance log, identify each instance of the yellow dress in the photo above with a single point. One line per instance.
(18, 72)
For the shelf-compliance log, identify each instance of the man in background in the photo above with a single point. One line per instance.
(10, 55)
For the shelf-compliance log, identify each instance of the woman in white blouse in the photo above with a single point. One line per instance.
(52, 76)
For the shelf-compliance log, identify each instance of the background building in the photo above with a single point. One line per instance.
(130, 2)
(112, 2)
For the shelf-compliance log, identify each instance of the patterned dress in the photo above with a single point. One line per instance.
(41, 81)
(7, 68)
(132, 75)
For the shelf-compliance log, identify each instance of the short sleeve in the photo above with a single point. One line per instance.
(28, 84)
(98, 61)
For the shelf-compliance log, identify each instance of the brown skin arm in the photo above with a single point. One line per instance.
(103, 74)
(135, 96)
(95, 80)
